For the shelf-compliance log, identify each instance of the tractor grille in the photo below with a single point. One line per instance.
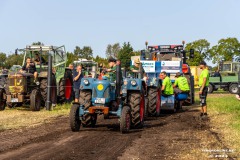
(105, 95)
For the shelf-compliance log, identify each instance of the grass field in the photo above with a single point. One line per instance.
(23, 117)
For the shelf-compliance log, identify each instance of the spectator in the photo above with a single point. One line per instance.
(77, 77)
(39, 60)
(203, 84)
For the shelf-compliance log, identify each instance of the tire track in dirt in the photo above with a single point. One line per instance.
(56, 141)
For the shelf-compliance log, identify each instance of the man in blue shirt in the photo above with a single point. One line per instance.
(77, 77)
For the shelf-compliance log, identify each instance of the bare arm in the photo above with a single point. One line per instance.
(163, 87)
(77, 77)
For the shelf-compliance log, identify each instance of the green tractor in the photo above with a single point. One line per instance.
(21, 87)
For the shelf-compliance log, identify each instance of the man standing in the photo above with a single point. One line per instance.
(203, 84)
(167, 88)
(181, 84)
(77, 77)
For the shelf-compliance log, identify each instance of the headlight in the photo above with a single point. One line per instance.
(133, 82)
(85, 81)
(37, 83)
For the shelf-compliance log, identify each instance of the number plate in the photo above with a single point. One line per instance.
(100, 100)
(14, 100)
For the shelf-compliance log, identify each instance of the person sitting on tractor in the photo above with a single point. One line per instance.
(112, 70)
(135, 68)
(167, 88)
(181, 84)
(29, 67)
(39, 60)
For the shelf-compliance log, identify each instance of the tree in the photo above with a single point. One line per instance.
(14, 60)
(70, 58)
(226, 50)
(201, 53)
(124, 54)
(86, 52)
(3, 58)
(113, 50)
(101, 60)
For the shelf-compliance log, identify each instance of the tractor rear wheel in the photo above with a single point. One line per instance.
(43, 90)
(233, 88)
(125, 120)
(154, 101)
(136, 103)
(75, 121)
(35, 101)
(2, 101)
(66, 87)
(85, 99)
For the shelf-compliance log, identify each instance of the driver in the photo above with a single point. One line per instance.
(29, 67)
(39, 60)
(135, 68)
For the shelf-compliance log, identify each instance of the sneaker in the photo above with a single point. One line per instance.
(201, 114)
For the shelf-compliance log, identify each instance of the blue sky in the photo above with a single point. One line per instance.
(97, 23)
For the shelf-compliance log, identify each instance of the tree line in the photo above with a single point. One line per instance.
(227, 49)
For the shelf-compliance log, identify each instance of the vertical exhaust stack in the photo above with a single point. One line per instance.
(118, 80)
(140, 74)
(49, 80)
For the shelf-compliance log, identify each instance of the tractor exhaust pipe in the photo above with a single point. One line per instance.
(49, 80)
(118, 80)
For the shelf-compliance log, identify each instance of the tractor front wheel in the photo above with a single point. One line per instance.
(2, 101)
(85, 99)
(35, 100)
(75, 121)
(125, 120)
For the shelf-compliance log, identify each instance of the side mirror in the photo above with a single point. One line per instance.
(16, 51)
(191, 53)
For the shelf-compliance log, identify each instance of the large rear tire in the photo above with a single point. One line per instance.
(43, 90)
(2, 101)
(85, 99)
(65, 93)
(154, 101)
(125, 120)
(35, 101)
(75, 121)
(136, 103)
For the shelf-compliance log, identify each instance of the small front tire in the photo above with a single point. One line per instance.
(75, 121)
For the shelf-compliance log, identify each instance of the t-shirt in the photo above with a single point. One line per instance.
(182, 83)
(133, 67)
(168, 86)
(77, 83)
(112, 73)
(204, 74)
(31, 69)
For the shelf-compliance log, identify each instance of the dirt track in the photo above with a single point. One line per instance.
(171, 136)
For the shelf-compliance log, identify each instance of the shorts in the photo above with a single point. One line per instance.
(76, 92)
(203, 96)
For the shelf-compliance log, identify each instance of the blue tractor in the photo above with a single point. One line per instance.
(123, 98)
(171, 59)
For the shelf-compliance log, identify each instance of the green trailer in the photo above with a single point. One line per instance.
(228, 81)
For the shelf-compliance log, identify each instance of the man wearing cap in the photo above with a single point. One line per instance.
(135, 68)
(203, 84)
(167, 88)
(113, 66)
(180, 84)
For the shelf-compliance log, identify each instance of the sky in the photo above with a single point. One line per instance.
(97, 23)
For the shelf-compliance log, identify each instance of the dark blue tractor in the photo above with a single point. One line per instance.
(123, 98)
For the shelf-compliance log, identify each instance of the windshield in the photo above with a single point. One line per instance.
(226, 67)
